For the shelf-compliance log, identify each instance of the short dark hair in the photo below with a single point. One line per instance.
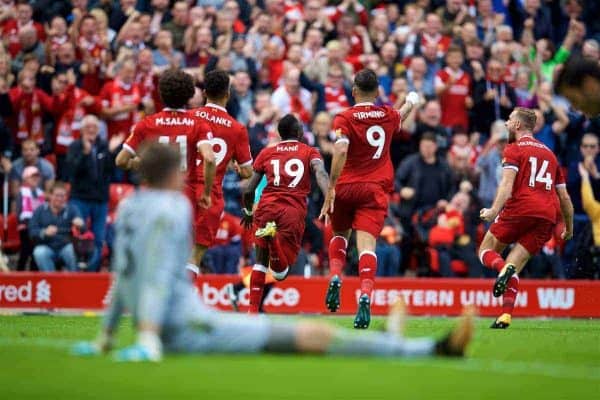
(289, 128)
(574, 72)
(430, 136)
(527, 117)
(157, 163)
(366, 81)
(176, 88)
(216, 84)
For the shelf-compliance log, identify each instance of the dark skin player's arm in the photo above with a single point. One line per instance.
(321, 175)
(340, 154)
(248, 199)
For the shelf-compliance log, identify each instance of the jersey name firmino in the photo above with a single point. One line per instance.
(369, 114)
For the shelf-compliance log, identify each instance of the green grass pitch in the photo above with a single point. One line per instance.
(534, 359)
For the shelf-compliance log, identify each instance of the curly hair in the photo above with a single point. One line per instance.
(216, 84)
(176, 88)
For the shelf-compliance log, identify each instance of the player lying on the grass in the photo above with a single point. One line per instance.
(282, 208)
(362, 177)
(531, 195)
(153, 243)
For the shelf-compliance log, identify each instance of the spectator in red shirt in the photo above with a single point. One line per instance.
(57, 36)
(29, 104)
(337, 97)
(225, 256)
(121, 99)
(93, 53)
(453, 86)
(12, 27)
(147, 80)
(432, 34)
(77, 103)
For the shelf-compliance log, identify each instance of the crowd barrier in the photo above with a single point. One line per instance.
(537, 298)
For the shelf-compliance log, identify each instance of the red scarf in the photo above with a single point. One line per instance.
(30, 111)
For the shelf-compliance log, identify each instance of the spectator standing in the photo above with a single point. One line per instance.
(453, 86)
(423, 179)
(31, 158)
(50, 227)
(178, 24)
(592, 207)
(494, 98)
(291, 98)
(225, 256)
(91, 162)
(12, 28)
(489, 163)
(121, 99)
(29, 198)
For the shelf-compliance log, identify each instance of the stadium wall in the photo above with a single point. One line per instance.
(537, 298)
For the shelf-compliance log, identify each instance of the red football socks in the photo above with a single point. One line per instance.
(367, 267)
(257, 286)
(337, 255)
(509, 297)
(492, 260)
(277, 261)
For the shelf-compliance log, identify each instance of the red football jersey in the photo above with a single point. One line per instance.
(287, 167)
(229, 141)
(369, 130)
(172, 127)
(538, 174)
(454, 110)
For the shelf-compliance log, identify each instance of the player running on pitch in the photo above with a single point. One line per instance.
(282, 209)
(531, 194)
(360, 181)
(174, 126)
(230, 142)
(152, 245)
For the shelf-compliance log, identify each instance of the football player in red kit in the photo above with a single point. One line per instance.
(230, 142)
(531, 195)
(282, 208)
(173, 125)
(361, 178)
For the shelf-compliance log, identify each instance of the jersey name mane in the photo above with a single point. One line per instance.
(284, 147)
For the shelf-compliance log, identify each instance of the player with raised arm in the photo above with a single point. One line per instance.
(531, 195)
(282, 209)
(230, 142)
(152, 245)
(361, 179)
(174, 126)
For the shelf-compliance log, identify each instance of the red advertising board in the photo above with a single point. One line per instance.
(547, 298)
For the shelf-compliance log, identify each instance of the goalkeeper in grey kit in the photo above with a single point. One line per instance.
(153, 242)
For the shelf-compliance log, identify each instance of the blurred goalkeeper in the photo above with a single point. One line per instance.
(153, 242)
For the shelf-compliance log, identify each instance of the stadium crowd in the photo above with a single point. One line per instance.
(76, 75)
